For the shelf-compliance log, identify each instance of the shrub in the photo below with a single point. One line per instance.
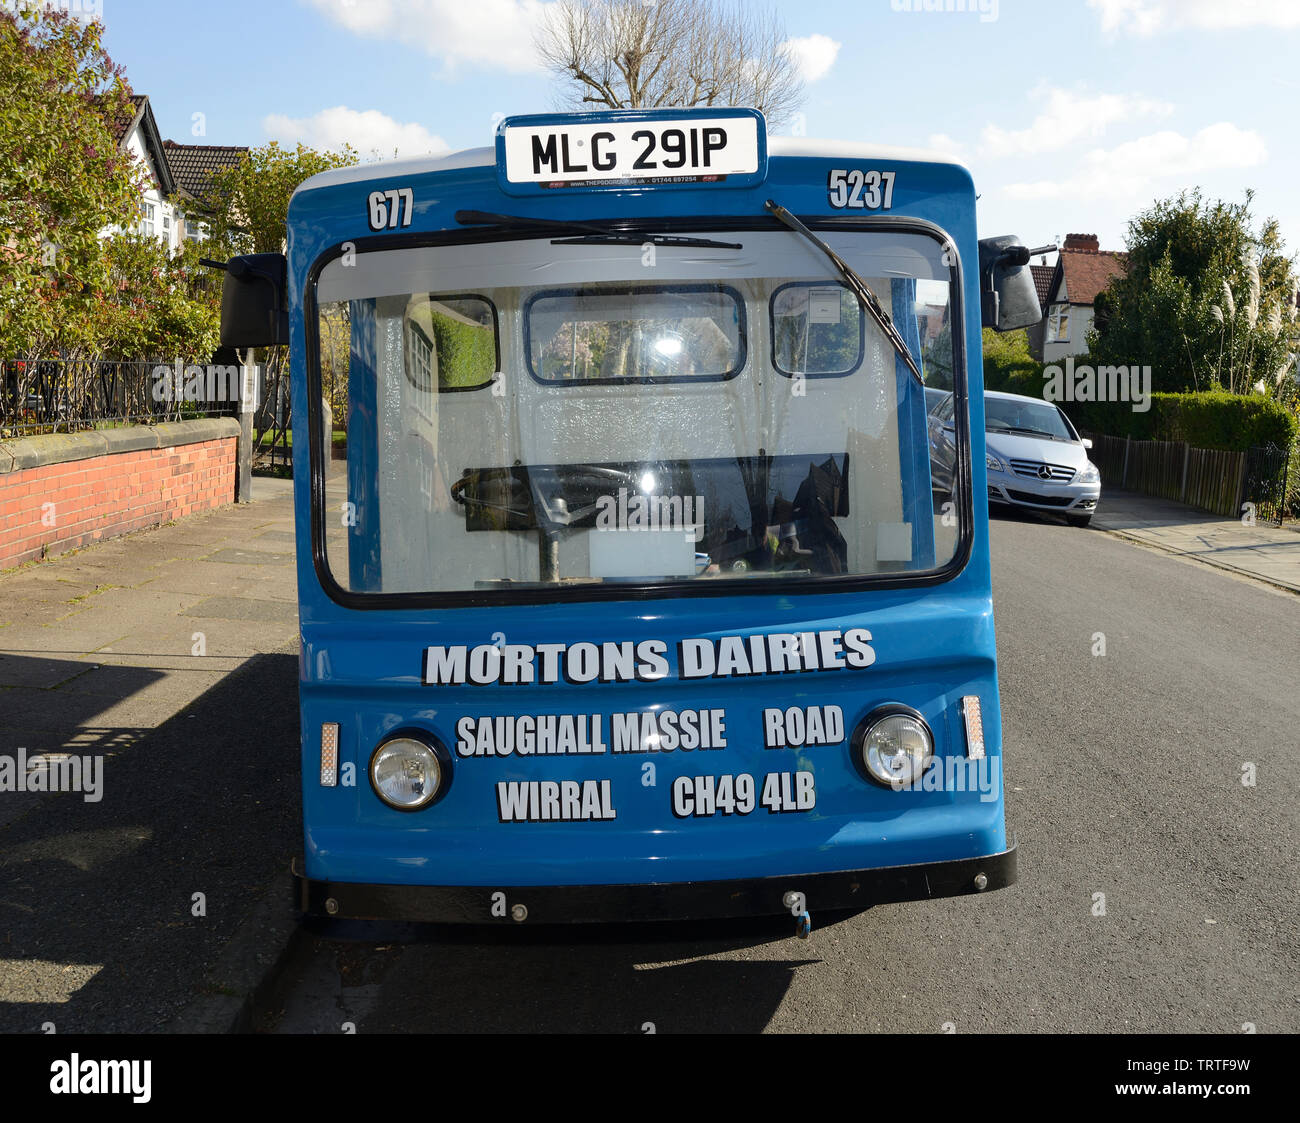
(1211, 419)
(466, 352)
(1008, 365)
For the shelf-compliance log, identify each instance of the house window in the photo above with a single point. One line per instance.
(146, 219)
(1058, 324)
(195, 231)
(419, 357)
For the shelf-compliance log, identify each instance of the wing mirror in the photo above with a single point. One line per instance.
(1009, 298)
(254, 300)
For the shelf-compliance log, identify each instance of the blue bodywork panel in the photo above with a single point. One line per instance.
(363, 667)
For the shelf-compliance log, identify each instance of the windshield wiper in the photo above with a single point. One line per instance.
(629, 239)
(1020, 429)
(857, 286)
(586, 233)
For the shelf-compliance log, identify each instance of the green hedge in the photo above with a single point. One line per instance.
(466, 352)
(1211, 419)
(1008, 365)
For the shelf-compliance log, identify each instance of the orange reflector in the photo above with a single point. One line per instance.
(970, 708)
(329, 754)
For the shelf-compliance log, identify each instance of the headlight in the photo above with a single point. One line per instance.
(1089, 475)
(993, 463)
(893, 745)
(406, 773)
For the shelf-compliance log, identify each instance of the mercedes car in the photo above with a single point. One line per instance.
(1035, 457)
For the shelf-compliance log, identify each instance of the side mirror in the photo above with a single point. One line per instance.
(1087, 442)
(254, 300)
(1010, 298)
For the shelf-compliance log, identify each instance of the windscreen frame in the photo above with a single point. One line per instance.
(636, 590)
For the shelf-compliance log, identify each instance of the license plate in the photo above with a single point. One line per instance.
(573, 154)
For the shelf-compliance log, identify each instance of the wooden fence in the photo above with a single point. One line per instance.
(1210, 479)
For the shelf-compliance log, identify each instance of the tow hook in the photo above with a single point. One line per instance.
(797, 903)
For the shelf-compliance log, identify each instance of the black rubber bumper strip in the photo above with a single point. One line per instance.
(686, 900)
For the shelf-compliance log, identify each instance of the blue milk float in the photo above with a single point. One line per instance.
(636, 597)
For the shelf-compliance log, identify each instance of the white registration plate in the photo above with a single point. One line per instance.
(697, 148)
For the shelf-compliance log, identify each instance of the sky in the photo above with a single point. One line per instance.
(1072, 115)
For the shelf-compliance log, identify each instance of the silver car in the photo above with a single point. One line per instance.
(1035, 457)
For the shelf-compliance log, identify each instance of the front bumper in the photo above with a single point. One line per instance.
(1063, 499)
(690, 900)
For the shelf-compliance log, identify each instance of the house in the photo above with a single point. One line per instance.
(1042, 275)
(1082, 270)
(192, 167)
(176, 176)
(137, 134)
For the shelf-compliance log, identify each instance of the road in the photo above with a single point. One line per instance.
(1124, 779)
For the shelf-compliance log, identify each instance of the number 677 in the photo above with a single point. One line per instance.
(390, 209)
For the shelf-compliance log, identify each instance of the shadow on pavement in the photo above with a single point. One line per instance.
(97, 932)
(583, 979)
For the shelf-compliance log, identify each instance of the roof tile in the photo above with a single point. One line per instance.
(1087, 272)
(192, 165)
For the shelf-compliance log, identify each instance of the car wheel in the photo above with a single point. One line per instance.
(1078, 520)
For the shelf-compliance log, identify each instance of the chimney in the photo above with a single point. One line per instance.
(1088, 243)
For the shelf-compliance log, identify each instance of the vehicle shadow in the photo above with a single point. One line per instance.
(101, 926)
(1001, 513)
(639, 978)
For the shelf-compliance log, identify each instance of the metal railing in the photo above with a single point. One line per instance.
(65, 396)
(1266, 482)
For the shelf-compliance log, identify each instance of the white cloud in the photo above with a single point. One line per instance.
(815, 55)
(489, 33)
(368, 131)
(1147, 17)
(942, 142)
(1128, 170)
(1068, 117)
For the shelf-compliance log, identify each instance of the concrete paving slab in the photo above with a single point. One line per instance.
(72, 635)
(250, 557)
(139, 603)
(245, 608)
(34, 671)
(51, 711)
(207, 578)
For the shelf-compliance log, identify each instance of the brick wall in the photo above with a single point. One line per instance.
(52, 507)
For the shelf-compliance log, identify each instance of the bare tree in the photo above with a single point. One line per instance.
(642, 54)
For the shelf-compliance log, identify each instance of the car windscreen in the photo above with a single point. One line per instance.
(1027, 418)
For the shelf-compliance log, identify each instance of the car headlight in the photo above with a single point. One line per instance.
(993, 463)
(893, 745)
(406, 773)
(1089, 475)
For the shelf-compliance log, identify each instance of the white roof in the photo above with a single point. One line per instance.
(486, 157)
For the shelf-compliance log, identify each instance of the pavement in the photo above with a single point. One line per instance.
(1267, 553)
(165, 662)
